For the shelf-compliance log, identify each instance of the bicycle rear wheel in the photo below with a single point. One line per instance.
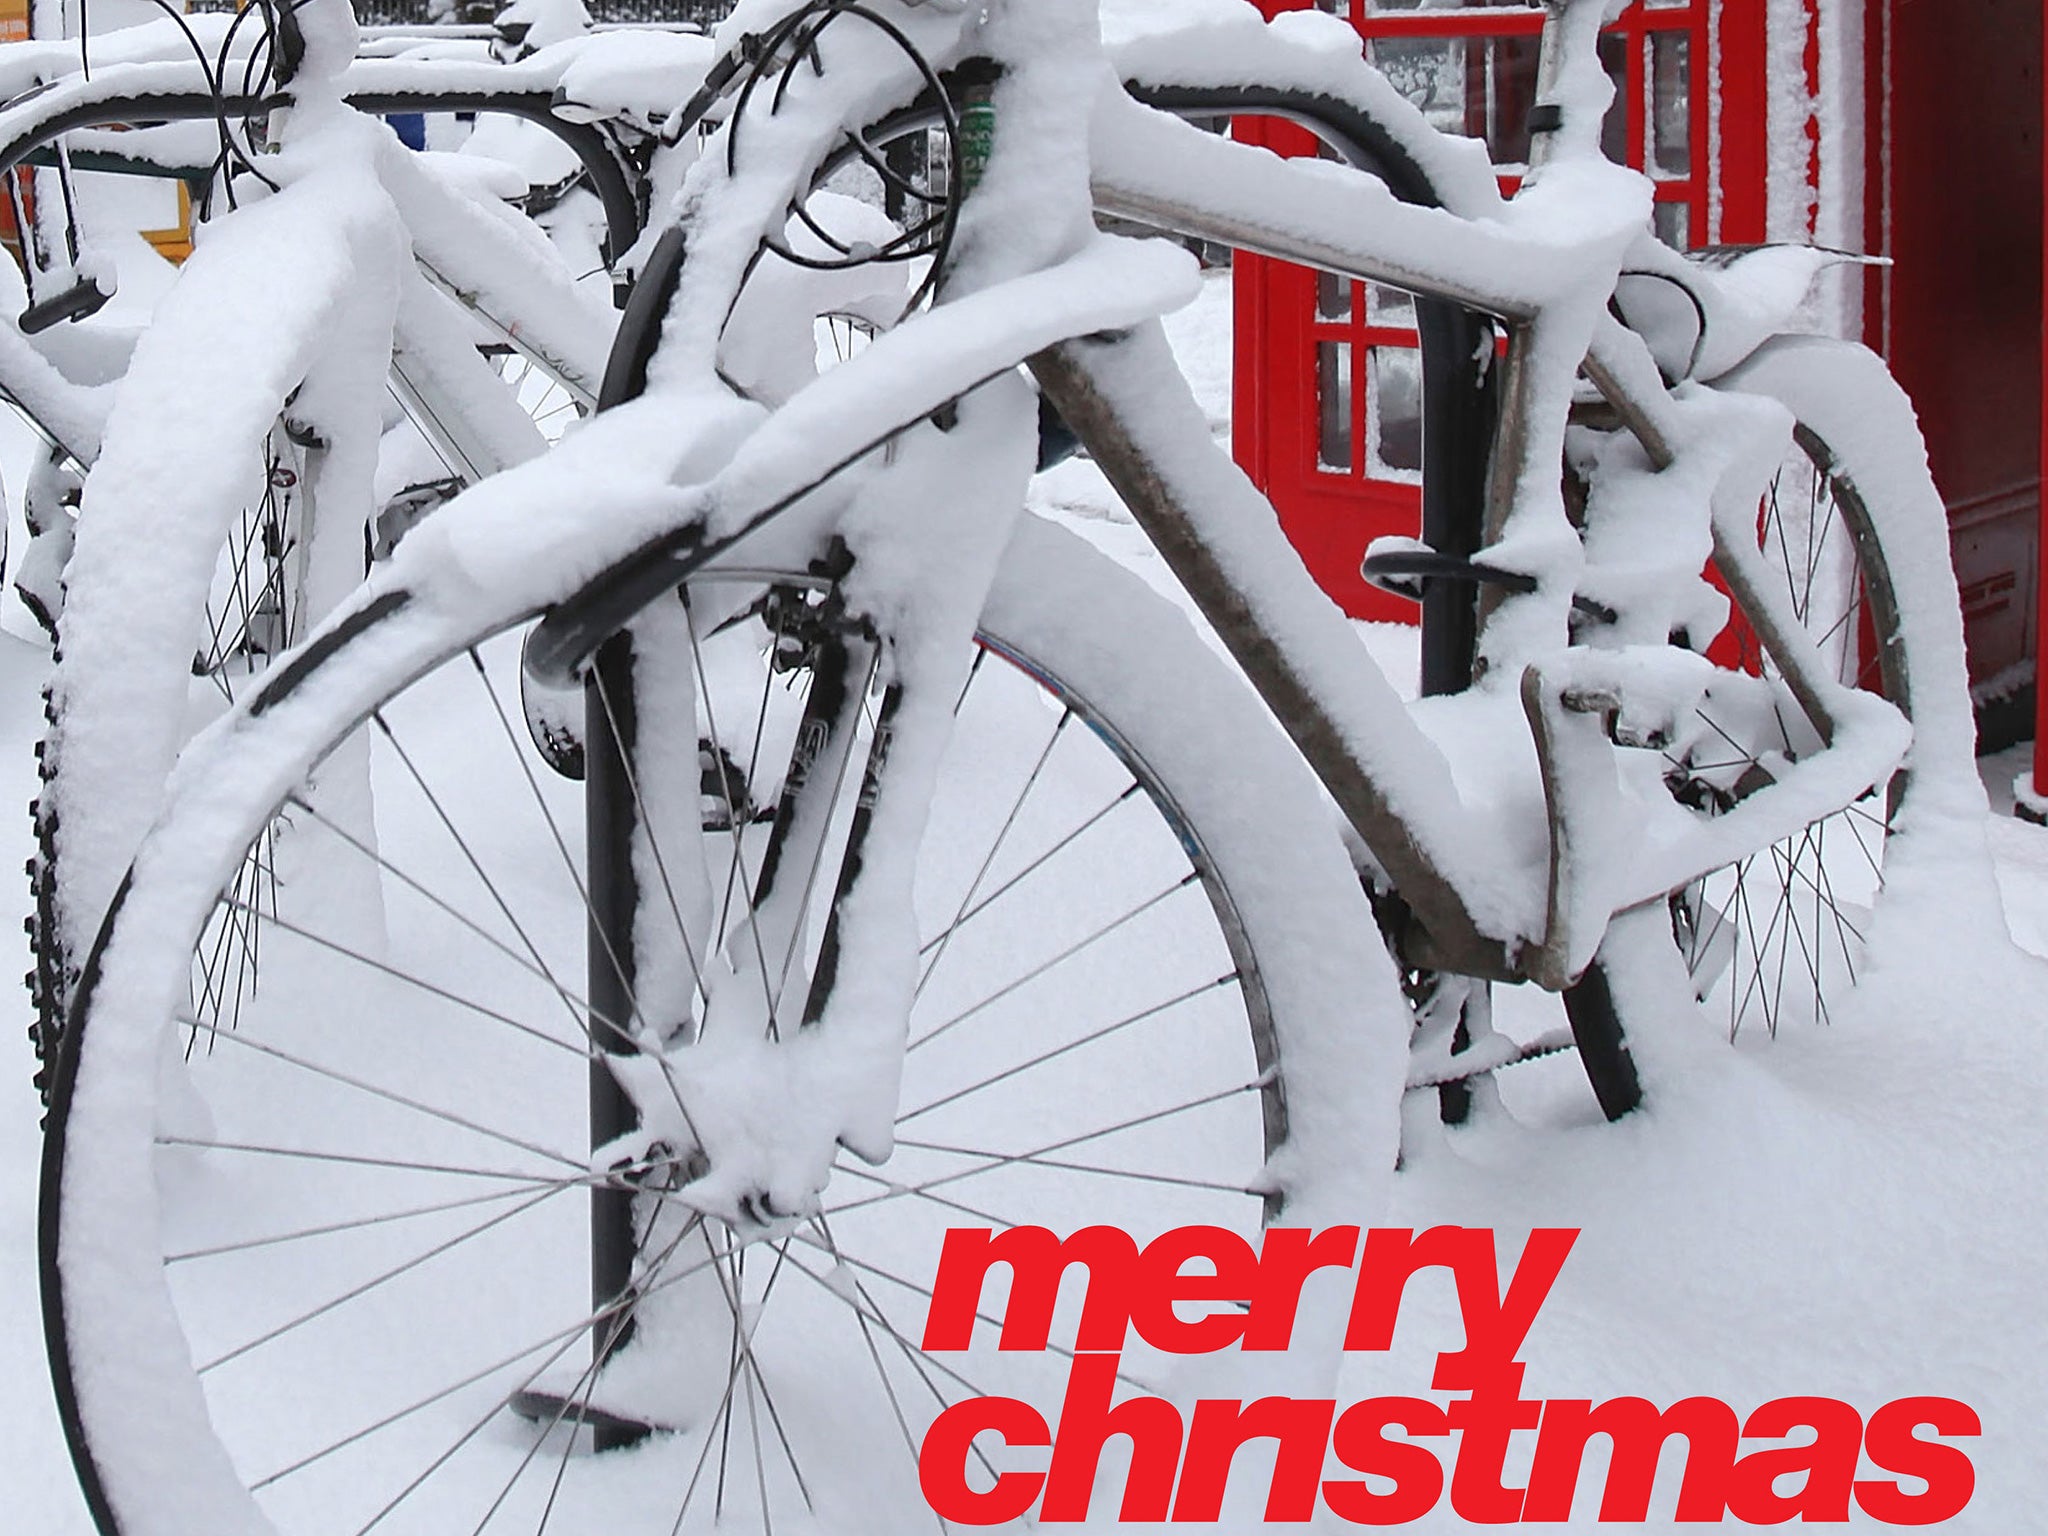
(1135, 990)
(1778, 939)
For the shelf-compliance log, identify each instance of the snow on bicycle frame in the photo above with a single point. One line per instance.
(1030, 276)
(912, 454)
(1546, 264)
(312, 296)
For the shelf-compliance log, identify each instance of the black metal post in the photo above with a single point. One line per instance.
(610, 823)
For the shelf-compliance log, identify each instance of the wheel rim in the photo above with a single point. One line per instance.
(550, 404)
(1777, 939)
(1151, 1106)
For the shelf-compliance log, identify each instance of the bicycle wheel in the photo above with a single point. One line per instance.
(255, 607)
(1777, 939)
(1138, 1001)
(254, 610)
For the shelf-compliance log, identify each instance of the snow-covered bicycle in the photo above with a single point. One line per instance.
(218, 447)
(581, 1160)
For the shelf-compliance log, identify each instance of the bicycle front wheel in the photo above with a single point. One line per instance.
(1139, 1002)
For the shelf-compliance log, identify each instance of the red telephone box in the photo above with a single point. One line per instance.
(1955, 196)
(1328, 407)
(1910, 129)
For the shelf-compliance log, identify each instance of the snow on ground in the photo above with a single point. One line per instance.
(1849, 1213)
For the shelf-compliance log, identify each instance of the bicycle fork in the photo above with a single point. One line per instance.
(749, 972)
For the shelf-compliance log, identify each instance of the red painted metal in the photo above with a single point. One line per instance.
(1745, 147)
(1329, 513)
(1960, 313)
(2040, 543)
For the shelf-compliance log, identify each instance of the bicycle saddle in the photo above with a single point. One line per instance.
(1704, 311)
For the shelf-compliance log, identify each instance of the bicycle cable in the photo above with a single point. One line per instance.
(778, 55)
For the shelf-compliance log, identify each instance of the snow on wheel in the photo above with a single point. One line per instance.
(1138, 1002)
(1779, 938)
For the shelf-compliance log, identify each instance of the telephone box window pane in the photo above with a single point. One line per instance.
(1481, 87)
(1395, 399)
(1333, 297)
(1671, 103)
(1674, 225)
(1389, 306)
(1429, 71)
(1511, 91)
(1333, 406)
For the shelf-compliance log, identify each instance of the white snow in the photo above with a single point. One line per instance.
(1851, 1212)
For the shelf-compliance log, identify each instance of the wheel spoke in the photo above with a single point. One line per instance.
(375, 1282)
(358, 1224)
(1064, 1165)
(733, 817)
(384, 1095)
(578, 1006)
(1009, 1159)
(435, 990)
(1093, 1036)
(1059, 959)
(968, 914)
(469, 857)
(995, 847)
(563, 1337)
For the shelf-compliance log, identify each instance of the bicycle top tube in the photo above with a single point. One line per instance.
(1162, 173)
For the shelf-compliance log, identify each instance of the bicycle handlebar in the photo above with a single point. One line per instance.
(117, 97)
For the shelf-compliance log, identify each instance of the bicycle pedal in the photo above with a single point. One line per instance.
(551, 1408)
(1482, 1061)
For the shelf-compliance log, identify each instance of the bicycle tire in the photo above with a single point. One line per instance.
(255, 609)
(1795, 960)
(1777, 939)
(1304, 1128)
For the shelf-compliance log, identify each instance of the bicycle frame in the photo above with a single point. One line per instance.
(1159, 172)
(1216, 534)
